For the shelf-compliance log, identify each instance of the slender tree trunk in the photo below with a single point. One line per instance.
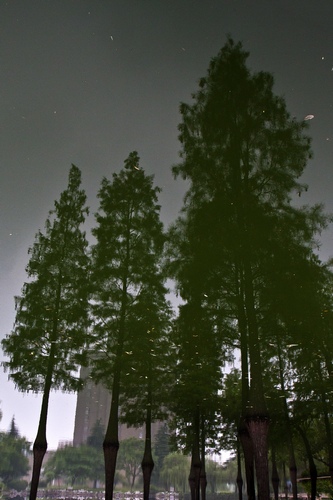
(243, 433)
(194, 477)
(327, 423)
(191, 480)
(111, 440)
(258, 430)
(203, 476)
(292, 460)
(40, 444)
(256, 415)
(239, 479)
(275, 476)
(312, 465)
(147, 463)
(246, 442)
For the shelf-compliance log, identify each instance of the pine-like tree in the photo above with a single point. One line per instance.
(126, 273)
(242, 154)
(46, 345)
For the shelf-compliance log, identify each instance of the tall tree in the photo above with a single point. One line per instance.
(126, 260)
(14, 451)
(129, 460)
(46, 345)
(75, 465)
(242, 154)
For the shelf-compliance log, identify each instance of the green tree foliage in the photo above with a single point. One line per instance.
(127, 283)
(129, 459)
(14, 452)
(96, 437)
(46, 345)
(76, 465)
(13, 431)
(161, 447)
(243, 154)
(175, 471)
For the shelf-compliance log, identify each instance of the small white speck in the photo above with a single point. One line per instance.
(111, 37)
(322, 58)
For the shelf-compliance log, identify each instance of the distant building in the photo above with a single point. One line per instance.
(93, 404)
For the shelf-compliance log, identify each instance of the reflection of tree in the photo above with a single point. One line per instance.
(174, 472)
(76, 465)
(13, 456)
(46, 344)
(97, 435)
(129, 459)
(161, 448)
(125, 276)
(242, 154)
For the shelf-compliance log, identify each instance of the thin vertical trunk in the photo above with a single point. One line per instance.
(289, 438)
(258, 430)
(326, 422)
(203, 476)
(257, 416)
(194, 477)
(275, 476)
(40, 444)
(247, 446)
(111, 440)
(312, 465)
(239, 479)
(243, 433)
(147, 463)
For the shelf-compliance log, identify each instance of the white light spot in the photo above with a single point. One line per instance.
(308, 117)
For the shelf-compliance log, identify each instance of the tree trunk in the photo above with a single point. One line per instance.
(256, 414)
(312, 465)
(275, 476)
(258, 430)
(191, 481)
(327, 423)
(203, 476)
(40, 444)
(239, 479)
(243, 433)
(111, 441)
(194, 477)
(246, 442)
(292, 460)
(147, 463)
